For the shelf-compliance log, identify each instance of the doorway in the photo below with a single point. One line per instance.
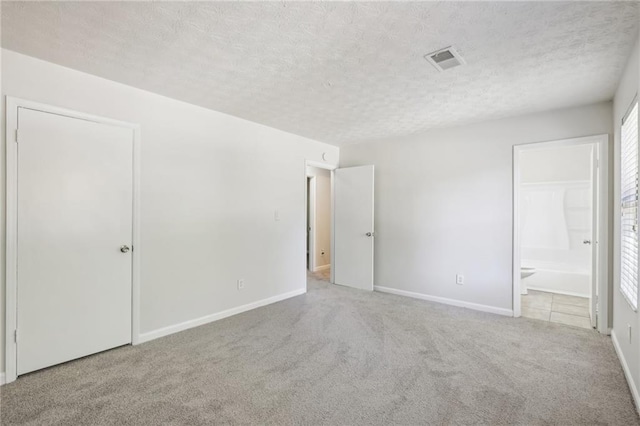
(72, 207)
(350, 223)
(319, 222)
(560, 232)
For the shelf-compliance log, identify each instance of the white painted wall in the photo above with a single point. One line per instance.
(558, 164)
(628, 345)
(323, 215)
(210, 185)
(443, 202)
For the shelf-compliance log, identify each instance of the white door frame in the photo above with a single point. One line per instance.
(12, 106)
(602, 244)
(311, 205)
(331, 168)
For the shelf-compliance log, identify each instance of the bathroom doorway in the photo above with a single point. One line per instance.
(560, 232)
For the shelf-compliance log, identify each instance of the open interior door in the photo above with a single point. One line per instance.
(353, 227)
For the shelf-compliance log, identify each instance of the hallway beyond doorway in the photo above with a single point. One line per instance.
(322, 275)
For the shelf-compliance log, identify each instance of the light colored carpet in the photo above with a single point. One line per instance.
(339, 356)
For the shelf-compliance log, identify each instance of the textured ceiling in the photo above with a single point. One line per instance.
(342, 72)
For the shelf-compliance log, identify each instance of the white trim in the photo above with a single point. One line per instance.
(446, 301)
(322, 267)
(566, 293)
(2, 379)
(136, 238)
(629, 109)
(11, 251)
(516, 267)
(319, 165)
(603, 244)
(557, 183)
(627, 373)
(12, 105)
(332, 273)
(605, 248)
(311, 214)
(165, 331)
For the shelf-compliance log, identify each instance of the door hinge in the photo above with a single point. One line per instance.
(15, 336)
(16, 135)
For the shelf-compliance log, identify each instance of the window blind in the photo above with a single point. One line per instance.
(629, 207)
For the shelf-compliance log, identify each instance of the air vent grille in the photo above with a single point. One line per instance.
(444, 59)
(442, 56)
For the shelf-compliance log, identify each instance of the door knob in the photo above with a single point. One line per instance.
(586, 242)
(124, 249)
(370, 234)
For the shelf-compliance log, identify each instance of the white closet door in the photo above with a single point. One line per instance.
(74, 215)
(353, 227)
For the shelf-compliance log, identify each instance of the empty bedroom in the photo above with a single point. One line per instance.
(319, 213)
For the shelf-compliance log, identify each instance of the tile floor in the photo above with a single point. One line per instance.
(558, 308)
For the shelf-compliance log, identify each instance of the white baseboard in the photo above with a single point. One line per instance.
(322, 268)
(444, 300)
(627, 373)
(165, 331)
(2, 379)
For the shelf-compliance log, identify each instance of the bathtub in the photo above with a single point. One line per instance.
(557, 278)
(555, 219)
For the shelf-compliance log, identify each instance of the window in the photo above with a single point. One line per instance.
(629, 206)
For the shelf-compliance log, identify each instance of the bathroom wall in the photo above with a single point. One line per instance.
(555, 218)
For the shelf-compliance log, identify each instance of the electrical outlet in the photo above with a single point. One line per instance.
(459, 279)
(240, 284)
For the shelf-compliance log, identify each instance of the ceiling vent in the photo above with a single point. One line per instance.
(444, 59)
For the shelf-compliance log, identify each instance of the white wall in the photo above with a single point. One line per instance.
(444, 202)
(323, 215)
(623, 315)
(210, 185)
(558, 164)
